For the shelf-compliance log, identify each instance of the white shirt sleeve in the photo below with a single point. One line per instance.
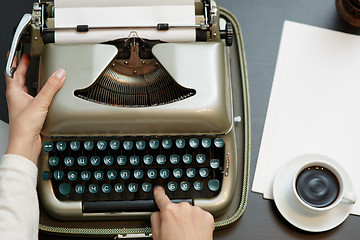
(19, 207)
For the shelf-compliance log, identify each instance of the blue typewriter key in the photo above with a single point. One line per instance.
(219, 142)
(164, 173)
(53, 161)
(114, 144)
(174, 159)
(206, 143)
(133, 187)
(161, 159)
(213, 185)
(172, 186)
(140, 145)
(194, 142)
(64, 188)
(198, 185)
(111, 174)
(79, 189)
(200, 158)
(214, 163)
(166, 143)
(190, 172)
(204, 172)
(99, 175)
(152, 173)
(148, 159)
(134, 160)
(119, 187)
(85, 175)
(187, 158)
(121, 160)
(125, 174)
(106, 188)
(61, 146)
(180, 143)
(75, 145)
(154, 144)
(128, 145)
(185, 186)
(108, 160)
(58, 175)
(89, 145)
(48, 146)
(138, 174)
(69, 161)
(101, 145)
(146, 187)
(93, 188)
(72, 175)
(95, 160)
(178, 172)
(82, 161)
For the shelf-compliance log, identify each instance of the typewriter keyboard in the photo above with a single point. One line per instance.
(126, 169)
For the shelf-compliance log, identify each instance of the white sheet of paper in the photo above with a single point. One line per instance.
(124, 13)
(4, 137)
(314, 104)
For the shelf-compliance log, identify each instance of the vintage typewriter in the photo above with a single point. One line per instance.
(139, 107)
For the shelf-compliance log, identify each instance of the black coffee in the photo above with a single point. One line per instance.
(317, 186)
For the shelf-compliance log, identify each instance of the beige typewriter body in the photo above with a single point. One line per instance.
(209, 111)
(195, 60)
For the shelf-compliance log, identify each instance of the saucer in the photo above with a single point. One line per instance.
(294, 212)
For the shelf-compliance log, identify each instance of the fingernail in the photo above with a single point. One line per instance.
(60, 74)
(158, 187)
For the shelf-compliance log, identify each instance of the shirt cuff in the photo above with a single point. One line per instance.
(21, 164)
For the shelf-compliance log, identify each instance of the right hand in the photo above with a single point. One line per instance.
(180, 221)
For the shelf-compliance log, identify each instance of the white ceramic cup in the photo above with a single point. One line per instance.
(343, 196)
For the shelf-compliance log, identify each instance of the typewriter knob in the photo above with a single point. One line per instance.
(227, 34)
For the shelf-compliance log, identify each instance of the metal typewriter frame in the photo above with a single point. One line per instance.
(146, 232)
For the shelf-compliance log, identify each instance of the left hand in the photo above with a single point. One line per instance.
(26, 113)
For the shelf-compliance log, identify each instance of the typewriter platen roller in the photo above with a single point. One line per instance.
(134, 91)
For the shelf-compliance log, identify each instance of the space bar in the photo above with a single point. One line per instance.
(125, 206)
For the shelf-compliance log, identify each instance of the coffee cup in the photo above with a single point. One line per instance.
(319, 186)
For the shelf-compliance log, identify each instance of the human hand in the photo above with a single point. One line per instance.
(26, 113)
(180, 220)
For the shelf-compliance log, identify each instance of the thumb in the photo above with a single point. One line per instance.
(48, 91)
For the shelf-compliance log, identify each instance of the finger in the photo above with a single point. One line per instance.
(48, 91)
(155, 225)
(22, 68)
(160, 197)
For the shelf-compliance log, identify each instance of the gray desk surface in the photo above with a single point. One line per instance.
(261, 22)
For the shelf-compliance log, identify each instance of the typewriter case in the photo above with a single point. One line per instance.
(235, 116)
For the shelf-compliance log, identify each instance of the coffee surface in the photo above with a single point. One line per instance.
(317, 186)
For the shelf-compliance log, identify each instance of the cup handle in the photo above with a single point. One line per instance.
(349, 198)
